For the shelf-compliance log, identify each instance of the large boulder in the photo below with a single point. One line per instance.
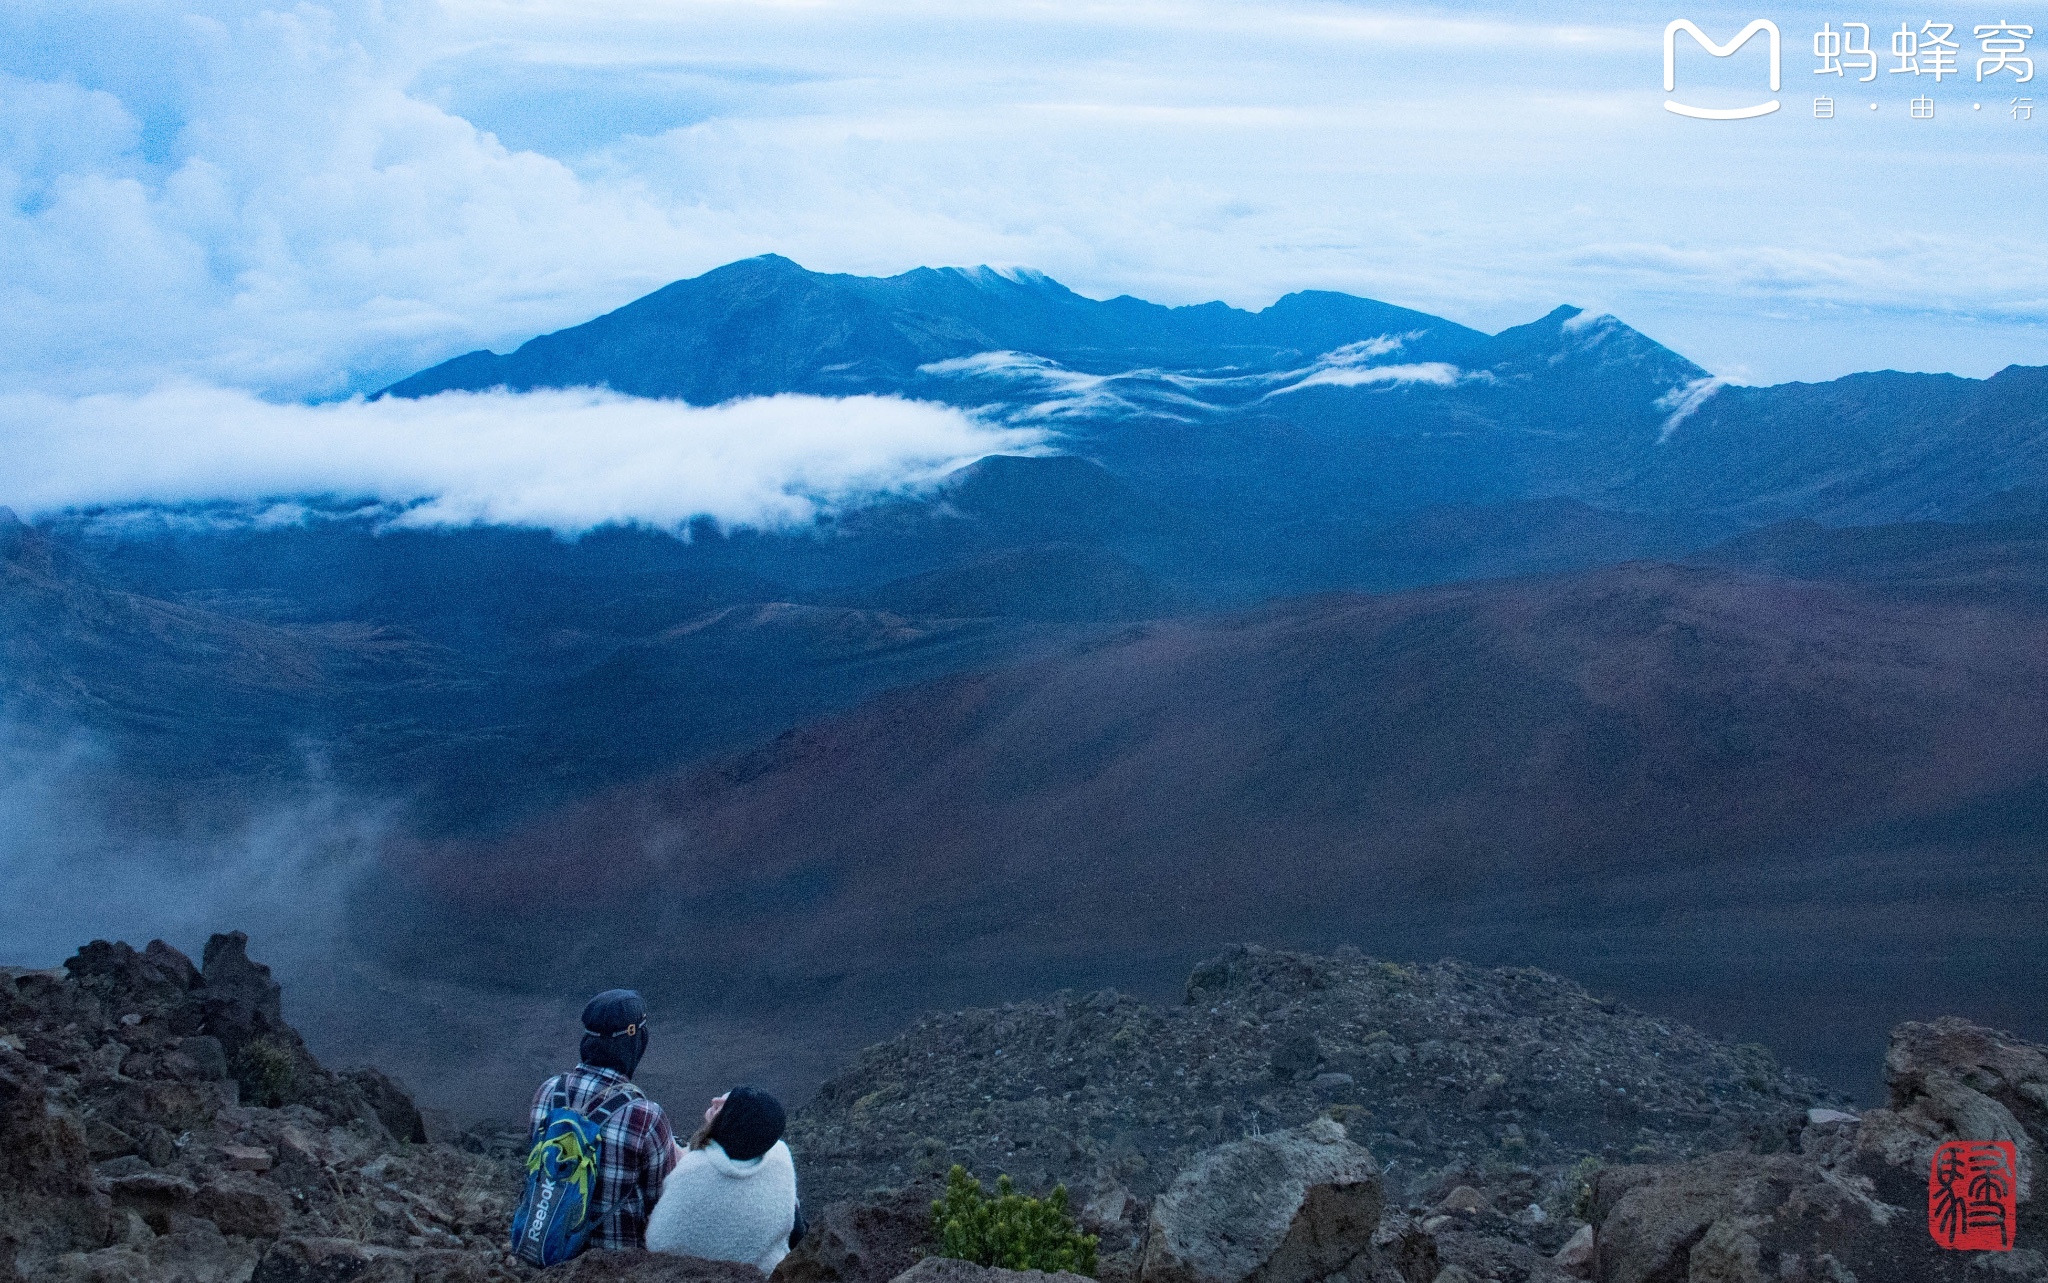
(1950, 1078)
(1853, 1203)
(391, 1103)
(864, 1241)
(1291, 1207)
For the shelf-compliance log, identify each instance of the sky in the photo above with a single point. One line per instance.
(302, 202)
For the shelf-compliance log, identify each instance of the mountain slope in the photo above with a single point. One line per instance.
(1324, 402)
(765, 325)
(1768, 805)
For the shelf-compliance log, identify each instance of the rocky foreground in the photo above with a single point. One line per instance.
(1297, 1119)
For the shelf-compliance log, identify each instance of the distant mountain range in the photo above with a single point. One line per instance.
(1346, 407)
(1333, 621)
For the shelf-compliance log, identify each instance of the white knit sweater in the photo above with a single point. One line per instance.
(722, 1210)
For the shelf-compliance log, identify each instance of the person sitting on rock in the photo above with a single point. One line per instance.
(732, 1197)
(639, 1146)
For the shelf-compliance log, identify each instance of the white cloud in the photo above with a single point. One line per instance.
(313, 200)
(1685, 400)
(1052, 391)
(1438, 373)
(568, 460)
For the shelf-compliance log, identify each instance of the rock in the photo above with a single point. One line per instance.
(940, 1269)
(153, 983)
(392, 1104)
(123, 1165)
(103, 1140)
(1756, 1218)
(1403, 1246)
(243, 1205)
(1576, 1256)
(1483, 1256)
(331, 1260)
(245, 1158)
(1296, 1056)
(191, 1159)
(1287, 1208)
(157, 1145)
(209, 1061)
(647, 1267)
(152, 1191)
(1959, 1080)
(1464, 1199)
(869, 1241)
(195, 1253)
(1447, 1062)
(1455, 1274)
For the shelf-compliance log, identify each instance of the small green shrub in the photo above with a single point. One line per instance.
(1010, 1231)
(1579, 1184)
(267, 1071)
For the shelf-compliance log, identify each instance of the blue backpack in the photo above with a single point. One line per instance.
(555, 1217)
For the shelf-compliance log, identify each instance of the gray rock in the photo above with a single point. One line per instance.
(1955, 1079)
(862, 1242)
(1293, 1207)
(939, 1269)
(331, 1260)
(195, 1253)
(243, 1205)
(1576, 1256)
(392, 1104)
(209, 1062)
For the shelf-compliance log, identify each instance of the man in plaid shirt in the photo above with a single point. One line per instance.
(639, 1145)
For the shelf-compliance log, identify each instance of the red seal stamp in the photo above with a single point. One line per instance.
(1973, 1195)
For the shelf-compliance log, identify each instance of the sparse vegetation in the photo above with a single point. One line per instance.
(1579, 1183)
(1011, 1231)
(267, 1072)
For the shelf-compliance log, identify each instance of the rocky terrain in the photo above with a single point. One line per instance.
(1297, 1119)
(1437, 1069)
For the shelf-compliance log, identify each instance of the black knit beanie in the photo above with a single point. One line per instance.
(748, 1124)
(615, 1031)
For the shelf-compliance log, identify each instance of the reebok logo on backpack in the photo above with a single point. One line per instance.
(555, 1218)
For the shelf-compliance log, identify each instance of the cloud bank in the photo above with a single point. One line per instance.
(1053, 391)
(568, 460)
(316, 199)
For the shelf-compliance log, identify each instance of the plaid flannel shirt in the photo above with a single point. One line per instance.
(638, 1151)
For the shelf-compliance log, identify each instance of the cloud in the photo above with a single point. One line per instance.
(1437, 373)
(567, 460)
(73, 867)
(1057, 392)
(311, 200)
(1684, 401)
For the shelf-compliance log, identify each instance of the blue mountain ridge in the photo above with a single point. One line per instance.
(1323, 403)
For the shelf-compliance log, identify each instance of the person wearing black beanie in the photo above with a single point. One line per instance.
(639, 1146)
(732, 1197)
(615, 1031)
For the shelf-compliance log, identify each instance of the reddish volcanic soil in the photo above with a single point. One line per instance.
(1785, 810)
